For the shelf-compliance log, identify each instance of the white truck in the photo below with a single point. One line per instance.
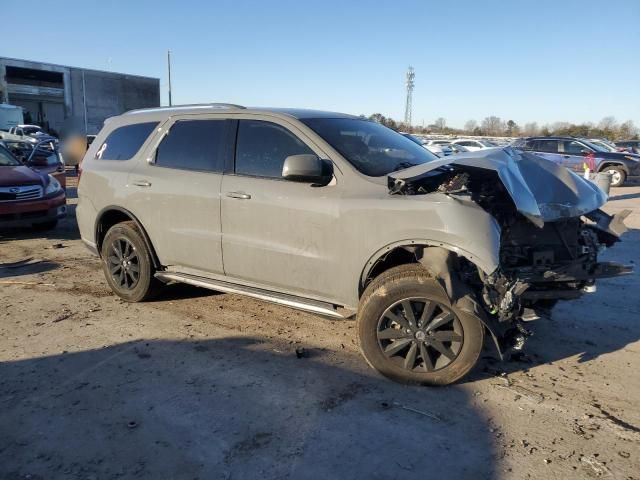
(10, 116)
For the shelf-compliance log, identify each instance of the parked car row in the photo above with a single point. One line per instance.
(577, 154)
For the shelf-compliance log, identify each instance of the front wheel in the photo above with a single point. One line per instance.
(410, 332)
(617, 176)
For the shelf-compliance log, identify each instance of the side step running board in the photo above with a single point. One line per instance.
(313, 306)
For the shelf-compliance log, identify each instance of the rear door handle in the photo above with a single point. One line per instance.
(240, 195)
(142, 183)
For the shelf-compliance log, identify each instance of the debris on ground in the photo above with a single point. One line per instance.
(302, 352)
(598, 467)
(62, 316)
(524, 392)
(414, 410)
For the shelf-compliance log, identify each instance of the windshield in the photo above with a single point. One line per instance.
(370, 147)
(487, 143)
(31, 130)
(6, 159)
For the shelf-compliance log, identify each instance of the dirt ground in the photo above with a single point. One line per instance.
(200, 385)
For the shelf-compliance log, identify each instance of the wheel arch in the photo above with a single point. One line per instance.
(613, 163)
(112, 215)
(402, 250)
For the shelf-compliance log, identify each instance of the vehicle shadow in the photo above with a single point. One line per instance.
(28, 266)
(236, 407)
(626, 196)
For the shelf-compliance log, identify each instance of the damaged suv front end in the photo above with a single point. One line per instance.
(551, 231)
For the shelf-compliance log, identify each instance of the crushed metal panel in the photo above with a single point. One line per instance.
(541, 190)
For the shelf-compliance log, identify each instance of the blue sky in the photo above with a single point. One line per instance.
(541, 61)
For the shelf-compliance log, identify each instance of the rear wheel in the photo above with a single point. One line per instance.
(127, 264)
(409, 331)
(617, 176)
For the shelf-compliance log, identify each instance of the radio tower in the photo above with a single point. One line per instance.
(411, 75)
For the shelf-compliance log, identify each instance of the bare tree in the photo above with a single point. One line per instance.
(608, 124)
(530, 129)
(627, 130)
(493, 126)
(440, 124)
(470, 126)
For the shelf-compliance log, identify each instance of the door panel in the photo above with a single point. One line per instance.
(281, 236)
(277, 233)
(573, 156)
(176, 196)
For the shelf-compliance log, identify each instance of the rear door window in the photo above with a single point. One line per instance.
(263, 146)
(124, 142)
(547, 146)
(193, 145)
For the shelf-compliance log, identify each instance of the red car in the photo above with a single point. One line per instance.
(28, 197)
(43, 157)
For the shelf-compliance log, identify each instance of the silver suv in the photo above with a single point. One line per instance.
(341, 216)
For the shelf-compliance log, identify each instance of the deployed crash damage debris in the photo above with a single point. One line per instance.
(551, 232)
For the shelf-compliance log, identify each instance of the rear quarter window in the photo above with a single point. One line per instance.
(124, 142)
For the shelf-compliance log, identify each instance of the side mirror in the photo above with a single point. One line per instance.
(306, 168)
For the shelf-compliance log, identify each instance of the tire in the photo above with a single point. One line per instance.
(44, 226)
(134, 280)
(619, 176)
(379, 324)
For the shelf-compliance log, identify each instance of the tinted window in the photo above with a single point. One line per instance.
(263, 146)
(124, 142)
(370, 147)
(573, 147)
(467, 144)
(193, 145)
(548, 146)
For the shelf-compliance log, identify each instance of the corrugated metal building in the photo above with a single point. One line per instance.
(61, 98)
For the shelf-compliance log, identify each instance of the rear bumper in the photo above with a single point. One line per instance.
(24, 214)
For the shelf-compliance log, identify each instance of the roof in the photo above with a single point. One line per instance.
(298, 113)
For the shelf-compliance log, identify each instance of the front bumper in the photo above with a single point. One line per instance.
(27, 213)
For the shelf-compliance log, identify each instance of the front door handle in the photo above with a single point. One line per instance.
(240, 195)
(142, 183)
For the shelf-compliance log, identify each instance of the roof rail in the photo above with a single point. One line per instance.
(187, 106)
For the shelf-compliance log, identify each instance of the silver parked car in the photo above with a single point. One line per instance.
(341, 216)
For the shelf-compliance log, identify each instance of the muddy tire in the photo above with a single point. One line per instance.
(409, 331)
(618, 177)
(127, 263)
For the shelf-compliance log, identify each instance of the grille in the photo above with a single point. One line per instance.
(29, 192)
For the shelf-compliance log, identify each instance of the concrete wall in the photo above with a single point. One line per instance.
(109, 94)
(90, 100)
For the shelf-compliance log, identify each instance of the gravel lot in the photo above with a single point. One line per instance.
(200, 385)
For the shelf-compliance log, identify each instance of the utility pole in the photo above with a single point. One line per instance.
(411, 75)
(169, 70)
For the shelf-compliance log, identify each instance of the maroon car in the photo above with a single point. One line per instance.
(28, 197)
(43, 157)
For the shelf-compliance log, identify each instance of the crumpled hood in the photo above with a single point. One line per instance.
(542, 191)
